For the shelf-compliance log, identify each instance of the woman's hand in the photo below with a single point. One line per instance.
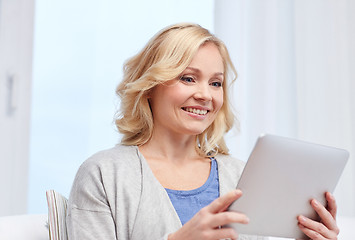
(325, 229)
(206, 223)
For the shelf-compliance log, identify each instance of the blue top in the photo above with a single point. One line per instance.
(188, 203)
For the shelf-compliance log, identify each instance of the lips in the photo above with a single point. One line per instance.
(196, 110)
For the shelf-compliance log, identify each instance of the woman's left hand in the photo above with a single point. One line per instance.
(325, 229)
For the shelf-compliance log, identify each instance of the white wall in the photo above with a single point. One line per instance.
(16, 25)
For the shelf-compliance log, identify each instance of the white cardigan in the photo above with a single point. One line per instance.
(116, 196)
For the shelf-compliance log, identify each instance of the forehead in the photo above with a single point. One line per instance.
(208, 58)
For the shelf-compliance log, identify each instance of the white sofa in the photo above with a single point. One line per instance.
(20, 227)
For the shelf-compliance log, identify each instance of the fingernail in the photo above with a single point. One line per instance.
(302, 219)
(315, 202)
(247, 220)
(330, 196)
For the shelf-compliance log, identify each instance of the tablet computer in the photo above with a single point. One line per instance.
(280, 178)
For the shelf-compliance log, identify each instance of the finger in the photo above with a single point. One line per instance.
(221, 204)
(223, 218)
(315, 229)
(223, 233)
(326, 217)
(310, 233)
(331, 204)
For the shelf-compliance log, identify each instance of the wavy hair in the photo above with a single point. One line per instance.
(164, 58)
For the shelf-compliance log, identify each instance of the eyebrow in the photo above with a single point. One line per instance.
(198, 70)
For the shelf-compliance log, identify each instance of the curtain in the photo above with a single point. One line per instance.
(295, 62)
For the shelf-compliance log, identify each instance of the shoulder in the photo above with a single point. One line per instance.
(105, 173)
(117, 153)
(111, 163)
(230, 170)
(229, 162)
(120, 155)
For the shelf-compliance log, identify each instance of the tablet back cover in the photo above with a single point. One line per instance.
(280, 178)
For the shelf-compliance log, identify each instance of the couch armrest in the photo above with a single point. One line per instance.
(29, 227)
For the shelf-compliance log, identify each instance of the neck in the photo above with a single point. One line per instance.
(170, 147)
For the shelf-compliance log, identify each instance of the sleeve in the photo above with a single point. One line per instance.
(89, 215)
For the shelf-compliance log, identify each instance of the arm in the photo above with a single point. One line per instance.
(89, 215)
(325, 229)
(85, 224)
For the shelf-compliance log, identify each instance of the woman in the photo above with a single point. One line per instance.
(171, 177)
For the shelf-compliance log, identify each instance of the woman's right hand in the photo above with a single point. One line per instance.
(206, 223)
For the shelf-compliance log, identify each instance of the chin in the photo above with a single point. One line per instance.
(195, 132)
(194, 129)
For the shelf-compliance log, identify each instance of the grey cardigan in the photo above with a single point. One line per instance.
(116, 196)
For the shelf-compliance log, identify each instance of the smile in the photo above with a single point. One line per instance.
(196, 111)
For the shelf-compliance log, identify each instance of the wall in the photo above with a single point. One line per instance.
(16, 25)
(296, 65)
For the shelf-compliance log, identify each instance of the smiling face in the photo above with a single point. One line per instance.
(188, 105)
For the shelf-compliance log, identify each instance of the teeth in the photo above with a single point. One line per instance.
(196, 111)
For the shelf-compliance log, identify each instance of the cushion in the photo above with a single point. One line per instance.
(57, 211)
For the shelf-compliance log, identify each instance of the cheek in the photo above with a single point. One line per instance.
(178, 95)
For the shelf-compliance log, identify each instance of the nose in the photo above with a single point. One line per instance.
(203, 93)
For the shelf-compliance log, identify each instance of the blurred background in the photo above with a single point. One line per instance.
(60, 62)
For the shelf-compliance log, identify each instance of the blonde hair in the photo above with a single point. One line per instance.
(164, 58)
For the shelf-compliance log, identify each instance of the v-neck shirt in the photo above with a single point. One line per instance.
(188, 202)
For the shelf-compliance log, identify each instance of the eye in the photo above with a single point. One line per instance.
(187, 79)
(216, 84)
